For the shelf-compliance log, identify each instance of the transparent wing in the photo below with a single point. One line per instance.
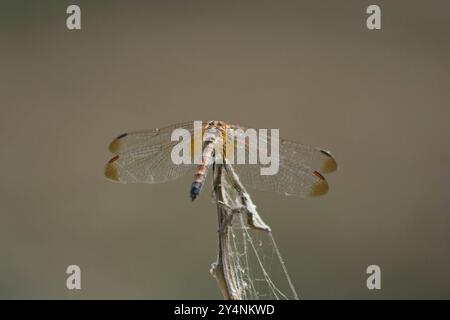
(291, 179)
(145, 156)
(300, 168)
(315, 158)
(145, 138)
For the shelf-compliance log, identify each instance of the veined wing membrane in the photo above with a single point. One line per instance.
(291, 179)
(145, 157)
(144, 138)
(298, 173)
(316, 158)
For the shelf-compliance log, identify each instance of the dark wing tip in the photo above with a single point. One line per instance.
(329, 164)
(111, 170)
(320, 187)
(114, 147)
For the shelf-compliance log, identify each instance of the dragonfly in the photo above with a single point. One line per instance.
(145, 157)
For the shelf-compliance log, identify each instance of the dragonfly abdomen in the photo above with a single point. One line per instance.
(199, 178)
(200, 174)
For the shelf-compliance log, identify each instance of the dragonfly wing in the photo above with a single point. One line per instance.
(141, 139)
(316, 158)
(145, 156)
(291, 179)
(300, 168)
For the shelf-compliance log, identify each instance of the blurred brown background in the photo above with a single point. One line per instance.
(379, 100)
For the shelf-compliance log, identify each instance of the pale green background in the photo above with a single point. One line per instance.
(378, 100)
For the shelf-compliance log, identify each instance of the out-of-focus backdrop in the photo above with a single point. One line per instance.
(379, 100)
